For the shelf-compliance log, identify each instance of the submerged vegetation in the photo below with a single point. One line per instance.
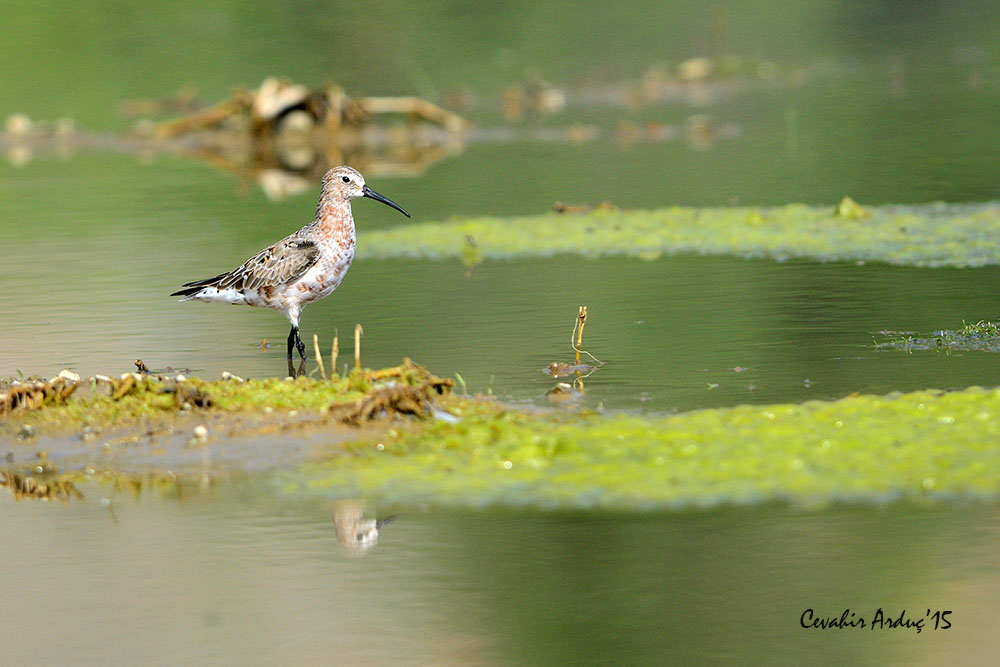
(926, 235)
(981, 336)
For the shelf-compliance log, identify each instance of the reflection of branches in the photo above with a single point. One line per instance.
(284, 136)
(289, 165)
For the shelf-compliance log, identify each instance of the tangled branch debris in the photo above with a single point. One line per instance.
(279, 104)
(35, 395)
(412, 391)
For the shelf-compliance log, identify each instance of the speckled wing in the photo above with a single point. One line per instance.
(276, 265)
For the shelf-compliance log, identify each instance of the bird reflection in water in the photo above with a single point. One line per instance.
(355, 532)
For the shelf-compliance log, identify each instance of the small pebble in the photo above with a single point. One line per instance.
(201, 433)
(26, 431)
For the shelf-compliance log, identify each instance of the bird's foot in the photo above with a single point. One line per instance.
(296, 372)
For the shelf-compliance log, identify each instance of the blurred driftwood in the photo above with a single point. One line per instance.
(279, 105)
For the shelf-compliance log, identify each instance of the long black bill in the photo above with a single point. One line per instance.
(385, 200)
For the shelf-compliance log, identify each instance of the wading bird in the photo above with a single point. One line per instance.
(301, 268)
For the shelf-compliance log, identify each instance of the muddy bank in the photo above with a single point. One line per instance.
(399, 436)
(145, 423)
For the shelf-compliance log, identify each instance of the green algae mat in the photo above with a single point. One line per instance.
(960, 235)
(922, 445)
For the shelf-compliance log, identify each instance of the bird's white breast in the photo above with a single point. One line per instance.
(322, 278)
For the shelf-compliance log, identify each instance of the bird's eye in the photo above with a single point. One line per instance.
(345, 179)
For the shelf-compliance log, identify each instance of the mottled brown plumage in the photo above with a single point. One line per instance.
(282, 263)
(301, 268)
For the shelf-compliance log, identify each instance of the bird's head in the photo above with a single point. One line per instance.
(346, 184)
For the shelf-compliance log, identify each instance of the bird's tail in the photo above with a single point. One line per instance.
(187, 293)
(190, 289)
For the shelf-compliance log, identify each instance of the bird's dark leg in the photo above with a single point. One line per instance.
(291, 344)
(295, 342)
(292, 337)
(299, 345)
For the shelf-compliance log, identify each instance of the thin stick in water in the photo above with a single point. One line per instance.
(357, 345)
(319, 357)
(334, 350)
(576, 337)
(581, 321)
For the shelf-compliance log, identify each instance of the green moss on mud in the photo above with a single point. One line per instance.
(918, 445)
(135, 400)
(926, 235)
(152, 400)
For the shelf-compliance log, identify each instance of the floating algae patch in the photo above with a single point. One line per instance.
(981, 337)
(960, 235)
(927, 444)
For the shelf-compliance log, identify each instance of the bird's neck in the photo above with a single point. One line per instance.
(334, 219)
